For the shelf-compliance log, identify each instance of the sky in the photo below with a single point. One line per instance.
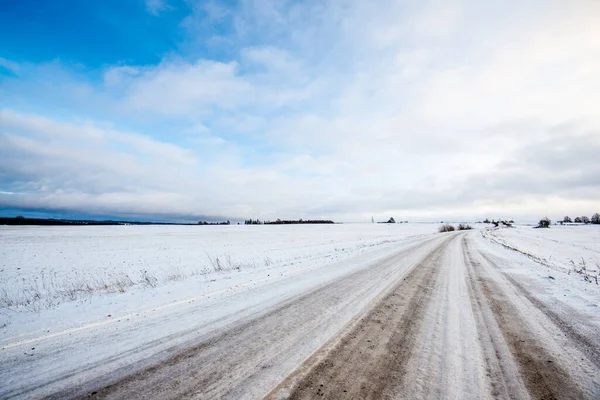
(186, 110)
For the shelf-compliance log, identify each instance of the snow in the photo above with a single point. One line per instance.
(64, 306)
(560, 248)
(541, 260)
(263, 265)
(43, 267)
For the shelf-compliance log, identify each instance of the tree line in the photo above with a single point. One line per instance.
(545, 222)
(287, 222)
(582, 220)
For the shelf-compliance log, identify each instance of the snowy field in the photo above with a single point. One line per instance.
(83, 306)
(571, 249)
(42, 267)
(45, 267)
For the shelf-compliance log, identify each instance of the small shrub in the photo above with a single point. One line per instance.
(216, 263)
(464, 227)
(446, 228)
(148, 279)
(544, 223)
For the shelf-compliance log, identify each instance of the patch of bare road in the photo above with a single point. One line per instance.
(439, 319)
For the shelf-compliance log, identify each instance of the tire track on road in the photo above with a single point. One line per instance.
(370, 360)
(239, 361)
(540, 374)
(586, 345)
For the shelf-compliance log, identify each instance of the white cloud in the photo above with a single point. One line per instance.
(180, 88)
(411, 108)
(154, 7)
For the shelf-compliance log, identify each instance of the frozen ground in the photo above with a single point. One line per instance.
(42, 267)
(574, 248)
(295, 311)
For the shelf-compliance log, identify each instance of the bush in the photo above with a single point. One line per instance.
(446, 228)
(544, 223)
(595, 219)
(464, 227)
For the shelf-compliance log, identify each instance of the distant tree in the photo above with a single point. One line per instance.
(20, 217)
(567, 220)
(544, 223)
(585, 219)
(578, 220)
(595, 218)
(486, 221)
(391, 221)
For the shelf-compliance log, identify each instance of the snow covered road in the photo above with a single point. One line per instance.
(455, 327)
(450, 315)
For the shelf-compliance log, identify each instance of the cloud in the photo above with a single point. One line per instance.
(324, 109)
(9, 66)
(180, 88)
(155, 7)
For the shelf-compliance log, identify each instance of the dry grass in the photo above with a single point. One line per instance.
(50, 287)
(446, 228)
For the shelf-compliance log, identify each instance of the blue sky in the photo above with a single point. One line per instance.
(299, 109)
(91, 33)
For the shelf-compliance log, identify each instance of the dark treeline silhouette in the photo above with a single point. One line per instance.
(582, 220)
(300, 221)
(507, 223)
(20, 220)
(288, 222)
(545, 222)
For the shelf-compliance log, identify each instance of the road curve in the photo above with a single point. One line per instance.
(438, 319)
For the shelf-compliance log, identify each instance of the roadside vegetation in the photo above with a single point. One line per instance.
(446, 228)
(51, 288)
(450, 228)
